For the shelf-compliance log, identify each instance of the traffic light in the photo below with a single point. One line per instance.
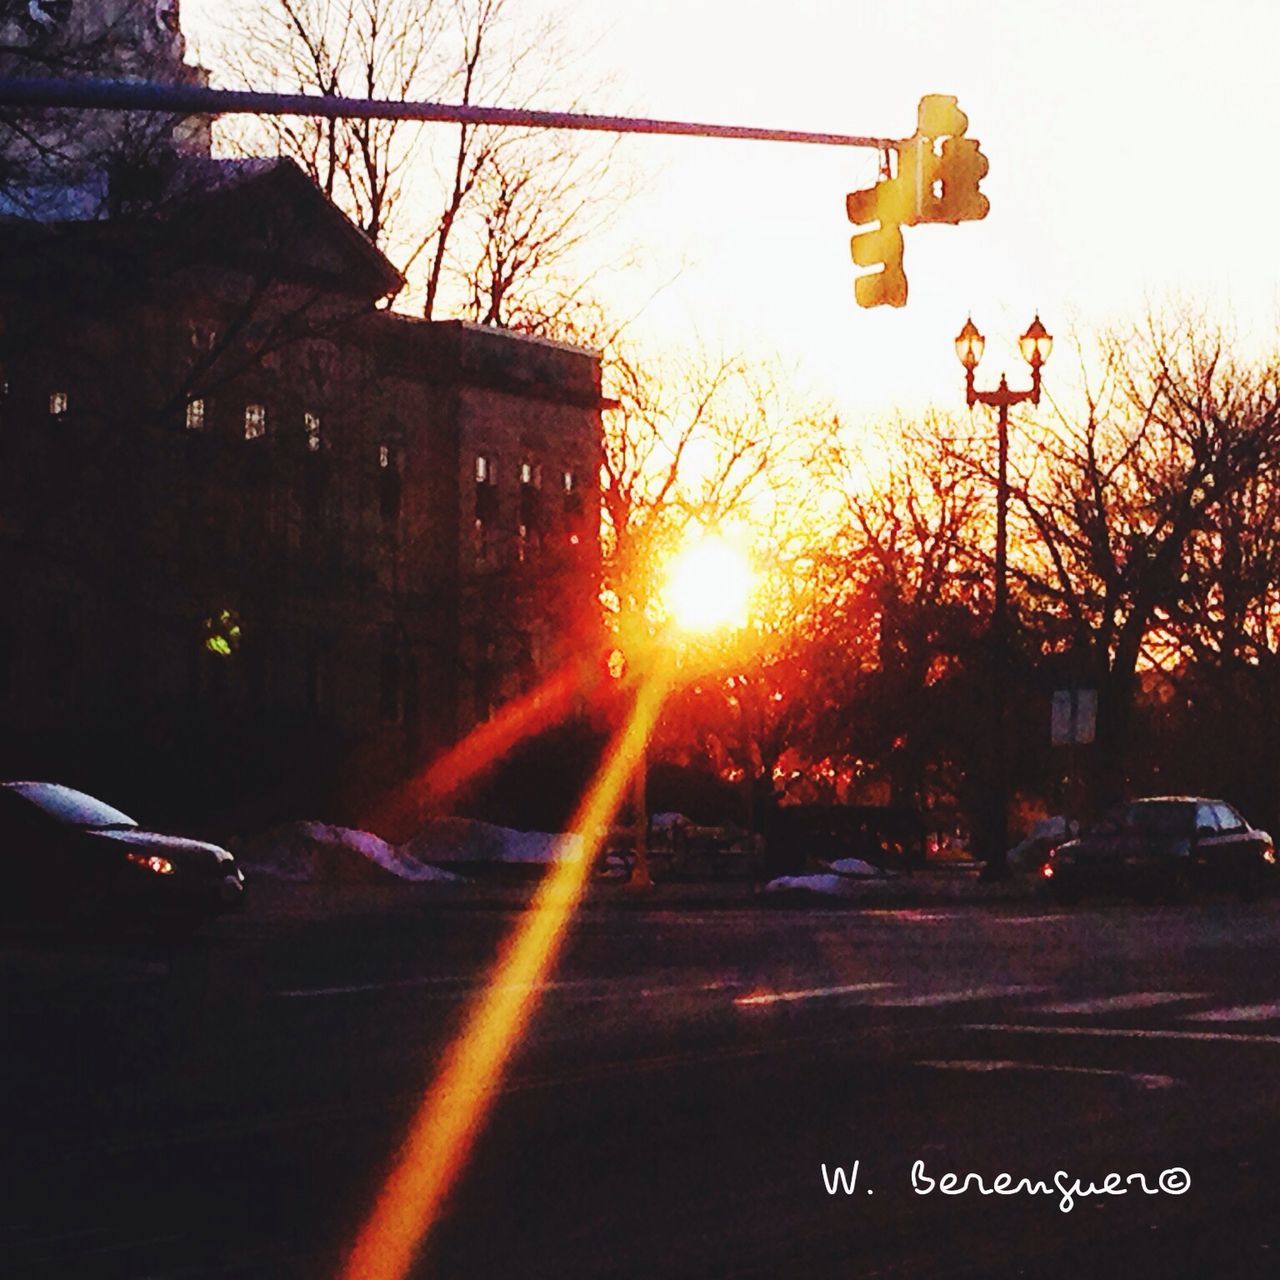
(934, 179)
(944, 187)
(961, 167)
(879, 246)
(938, 116)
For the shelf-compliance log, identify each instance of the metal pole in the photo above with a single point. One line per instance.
(180, 99)
(996, 866)
(640, 874)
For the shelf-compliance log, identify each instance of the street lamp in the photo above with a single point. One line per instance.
(1035, 346)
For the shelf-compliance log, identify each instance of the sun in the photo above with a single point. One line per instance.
(709, 586)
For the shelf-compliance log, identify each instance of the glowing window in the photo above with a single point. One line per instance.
(255, 421)
(195, 415)
(222, 634)
(58, 403)
(567, 481)
(311, 423)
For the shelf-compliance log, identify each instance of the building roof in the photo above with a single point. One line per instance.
(457, 351)
(231, 194)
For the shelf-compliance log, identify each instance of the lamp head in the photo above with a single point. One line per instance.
(969, 345)
(1035, 344)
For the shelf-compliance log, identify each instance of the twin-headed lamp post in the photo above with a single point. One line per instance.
(1035, 346)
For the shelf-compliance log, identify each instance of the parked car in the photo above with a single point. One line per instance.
(69, 858)
(1166, 845)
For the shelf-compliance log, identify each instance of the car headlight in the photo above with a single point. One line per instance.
(152, 862)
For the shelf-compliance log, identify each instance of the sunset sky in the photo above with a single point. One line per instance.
(1131, 161)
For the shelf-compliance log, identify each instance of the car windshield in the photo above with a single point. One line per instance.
(1161, 818)
(73, 808)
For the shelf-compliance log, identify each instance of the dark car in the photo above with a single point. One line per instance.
(69, 858)
(1166, 845)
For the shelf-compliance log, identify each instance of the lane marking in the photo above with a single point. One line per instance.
(1239, 1013)
(617, 989)
(912, 913)
(932, 999)
(1131, 1033)
(1144, 1081)
(810, 993)
(1116, 1004)
(357, 988)
(1048, 915)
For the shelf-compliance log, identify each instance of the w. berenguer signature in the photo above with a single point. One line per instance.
(1170, 1182)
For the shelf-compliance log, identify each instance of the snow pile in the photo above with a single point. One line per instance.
(456, 840)
(451, 840)
(857, 868)
(311, 852)
(316, 851)
(848, 878)
(834, 886)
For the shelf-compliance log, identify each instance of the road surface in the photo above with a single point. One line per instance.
(682, 1101)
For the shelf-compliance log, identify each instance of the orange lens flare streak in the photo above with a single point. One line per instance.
(453, 1111)
(519, 719)
(523, 717)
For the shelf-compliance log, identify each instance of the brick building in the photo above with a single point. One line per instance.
(262, 537)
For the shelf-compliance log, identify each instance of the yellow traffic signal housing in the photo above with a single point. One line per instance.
(880, 246)
(960, 168)
(938, 116)
(943, 187)
(938, 172)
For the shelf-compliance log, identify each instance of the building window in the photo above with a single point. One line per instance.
(567, 481)
(58, 404)
(390, 486)
(486, 508)
(311, 424)
(255, 421)
(222, 633)
(195, 415)
(529, 528)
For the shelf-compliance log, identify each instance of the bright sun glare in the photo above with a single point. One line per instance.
(709, 585)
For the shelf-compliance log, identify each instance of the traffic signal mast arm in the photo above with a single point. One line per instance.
(930, 185)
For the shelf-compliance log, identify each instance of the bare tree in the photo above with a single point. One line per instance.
(482, 220)
(539, 203)
(906, 536)
(339, 48)
(1118, 498)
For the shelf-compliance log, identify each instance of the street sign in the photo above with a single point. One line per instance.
(1073, 717)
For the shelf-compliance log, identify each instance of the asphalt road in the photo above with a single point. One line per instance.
(229, 1108)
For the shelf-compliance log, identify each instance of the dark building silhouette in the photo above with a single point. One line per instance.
(264, 543)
